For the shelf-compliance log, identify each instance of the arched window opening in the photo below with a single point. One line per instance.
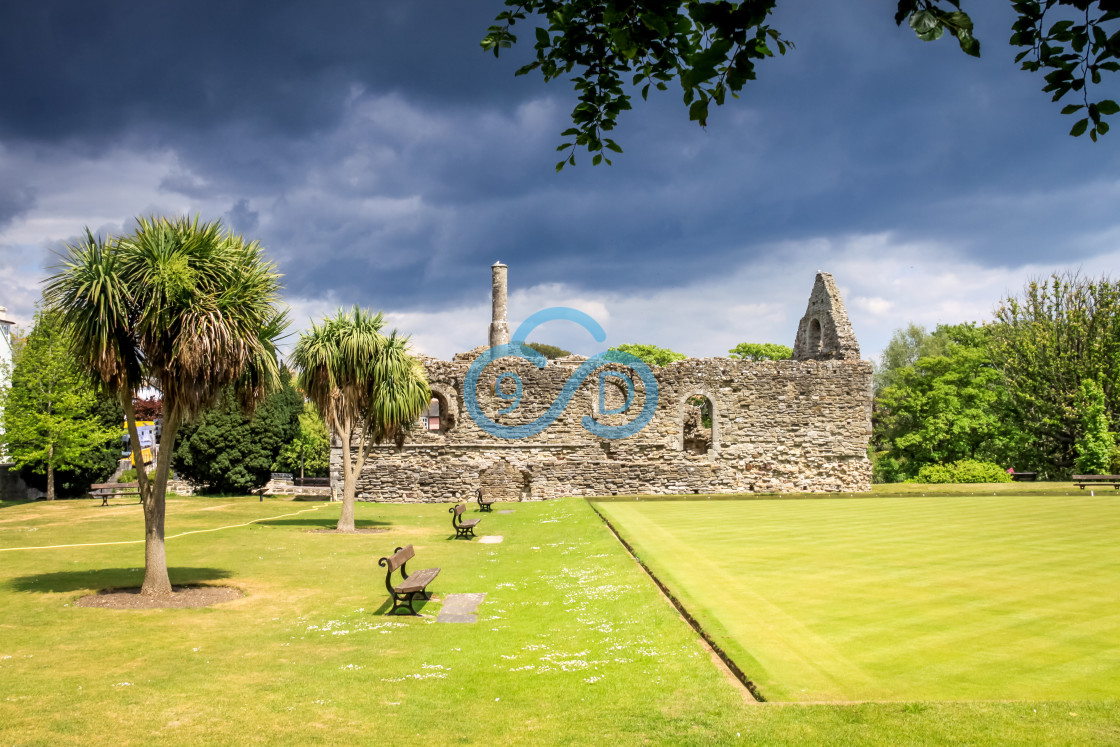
(814, 337)
(438, 418)
(697, 426)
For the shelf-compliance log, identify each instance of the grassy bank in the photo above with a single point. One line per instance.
(574, 644)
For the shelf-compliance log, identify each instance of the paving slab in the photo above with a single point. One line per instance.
(490, 539)
(460, 608)
(506, 511)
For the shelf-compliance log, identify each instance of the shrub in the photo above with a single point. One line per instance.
(129, 475)
(886, 469)
(965, 470)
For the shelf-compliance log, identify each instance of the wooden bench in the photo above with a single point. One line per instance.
(462, 528)
(411, 585)
(107, 490)
(485, 501)
(1082, 480)
(1024, 476)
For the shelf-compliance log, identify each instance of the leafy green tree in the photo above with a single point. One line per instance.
(1095, 443)
(904, 349)
(99, 463)
(548, 351)
(230, 451)
(761, 351)
(1057, 333)
(309, 452)
(365, 384)
(711, 48)
(947, 406)
(189, 306)
(651, 355)
(51, 423)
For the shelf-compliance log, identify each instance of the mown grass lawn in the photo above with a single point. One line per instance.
(574, 644)
(950, 598)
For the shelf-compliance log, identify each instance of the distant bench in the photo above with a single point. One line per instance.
(1024, 476)
(411, 584)
(1082, 480)
(485, 500)
(462, 528)
(107, 490)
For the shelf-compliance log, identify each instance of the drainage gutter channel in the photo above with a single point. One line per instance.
(727, 661)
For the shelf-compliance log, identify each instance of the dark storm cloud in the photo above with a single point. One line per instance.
(87, 70)
(241, 219)
(383, 158)
(15, 200)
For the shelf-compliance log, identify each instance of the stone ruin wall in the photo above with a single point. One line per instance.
(794, 426)
(778, 427)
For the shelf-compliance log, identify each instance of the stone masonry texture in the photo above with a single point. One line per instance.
(793, 426)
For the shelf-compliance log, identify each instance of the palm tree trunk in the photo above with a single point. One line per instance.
(156, 580)
(351, 468)
(346, 518)
(50, 472)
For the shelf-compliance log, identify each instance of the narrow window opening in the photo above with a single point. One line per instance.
(814, 337)
(697, 425)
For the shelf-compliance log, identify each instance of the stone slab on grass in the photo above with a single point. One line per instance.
(490, 539)
(460, 608)
(506, 511)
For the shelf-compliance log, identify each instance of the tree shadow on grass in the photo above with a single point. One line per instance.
(323, 523)
(109, 578)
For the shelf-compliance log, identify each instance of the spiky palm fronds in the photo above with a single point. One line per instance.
(207, 310)
(90, 293)
(180, 302)
(353, 372)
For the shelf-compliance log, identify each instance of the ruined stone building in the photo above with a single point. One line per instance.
(719, 426)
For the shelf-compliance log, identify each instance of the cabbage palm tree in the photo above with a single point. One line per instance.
(365, 384)
(186, 306)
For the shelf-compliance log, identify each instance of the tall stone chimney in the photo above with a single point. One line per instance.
(499, 327)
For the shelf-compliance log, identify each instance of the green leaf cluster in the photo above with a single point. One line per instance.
(58, 429)
(1095, 443)
(761, 351)
(230, 451)
(930, 21)
(884, 467)
(1076, 41)
(548, 351)
(309, 452)
(651, 355)
(605, 48)
(711, 48)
